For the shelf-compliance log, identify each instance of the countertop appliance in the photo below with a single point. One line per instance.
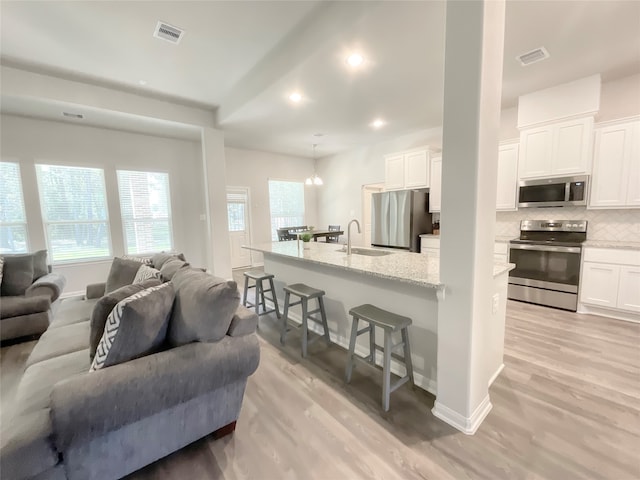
(399, 217)
(553, 192)
(547, 257)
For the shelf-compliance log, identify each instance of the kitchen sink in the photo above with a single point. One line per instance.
(367, 251)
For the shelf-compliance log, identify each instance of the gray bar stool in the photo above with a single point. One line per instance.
(305, 293)
(258, 277)
(390, 323)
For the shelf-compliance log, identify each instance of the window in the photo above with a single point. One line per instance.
(13, 221)
(74, 212)
(146, 211)
(286, 200)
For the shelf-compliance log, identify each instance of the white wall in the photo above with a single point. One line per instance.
(30, 141)
(253, 169)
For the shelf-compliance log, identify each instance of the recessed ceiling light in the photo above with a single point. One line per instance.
(295, 97)
(378, 123)
(142, 82)
(355, 60)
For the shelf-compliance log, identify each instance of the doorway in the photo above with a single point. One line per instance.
(367, 190)
(239, 226)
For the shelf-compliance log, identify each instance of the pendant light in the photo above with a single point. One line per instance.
(314, 179)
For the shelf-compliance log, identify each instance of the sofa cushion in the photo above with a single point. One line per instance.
(17, 274)
(136, 327)
(60, 341)
(170, 267)
(38, 380)
(159, 259)
(203, 308)
(105, 305)
(122, 273)
(73, 310)
(15, 306)
(146, 272)
(40, 267)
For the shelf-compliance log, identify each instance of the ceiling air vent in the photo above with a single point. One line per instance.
(168, 32)
(73, 115)
(533, 56)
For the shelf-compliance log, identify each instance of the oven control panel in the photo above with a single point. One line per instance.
(554, 225)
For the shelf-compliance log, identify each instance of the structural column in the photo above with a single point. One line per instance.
(215, 187)
(473, 84)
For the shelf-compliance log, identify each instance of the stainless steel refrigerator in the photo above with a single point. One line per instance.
(398, 218)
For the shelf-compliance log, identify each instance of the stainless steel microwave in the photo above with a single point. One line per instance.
(553, 192)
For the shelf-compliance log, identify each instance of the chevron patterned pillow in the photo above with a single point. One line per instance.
(144, 260)
(136, 327)
(145, 272)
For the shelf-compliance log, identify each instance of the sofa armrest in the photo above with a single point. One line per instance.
(95, 290)
(244, 322)
(51, 284)
(92, 404)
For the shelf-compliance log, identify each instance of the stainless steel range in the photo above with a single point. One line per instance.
(547, 257)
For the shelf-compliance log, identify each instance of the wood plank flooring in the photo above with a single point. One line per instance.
(567, 406)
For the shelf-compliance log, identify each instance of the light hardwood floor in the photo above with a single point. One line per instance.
(567, 406)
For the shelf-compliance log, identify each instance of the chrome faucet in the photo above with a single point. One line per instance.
(349, 234)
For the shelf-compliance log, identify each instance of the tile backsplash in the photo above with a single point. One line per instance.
(616, 225)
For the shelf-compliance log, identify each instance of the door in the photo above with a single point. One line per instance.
(400, 219)
(239, 226)
(571, 149)
(628, 297)
(507, 177)
(545, 266)
(367, 191)
(394, 172)
(435, 192)
(600, 284)
(633, 192)
(380, 218)
(535, 155)
(609, 182)
(416, 170)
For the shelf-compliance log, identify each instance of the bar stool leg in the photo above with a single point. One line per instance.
(275, 299)
(407, 354)
(285, 317)
(352, 349)
(246, 290)
(305, 328)
(325, 325)
(264, 303)
(256, 302)
(386, 371)
(372, 343)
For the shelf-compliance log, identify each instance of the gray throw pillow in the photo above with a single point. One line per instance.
(159, 259)
(203, 309)
(170, 267)
(104, 306)
(145, 272)
(17, 274)
(122, 273)
(136, 327)
(40, 267)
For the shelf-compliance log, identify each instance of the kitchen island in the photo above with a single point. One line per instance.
(402, 282)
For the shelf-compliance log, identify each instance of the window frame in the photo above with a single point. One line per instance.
(24, 223)
(123, 219)
(274, 236)
(46, 223)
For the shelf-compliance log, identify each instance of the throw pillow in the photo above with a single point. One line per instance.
(203, 309)
(122, 273)
(40, 267)
(159, 259)
(104, 307)
(145, 272)
(145, 260)
(17, 274)
(136, 327)
(170, 267)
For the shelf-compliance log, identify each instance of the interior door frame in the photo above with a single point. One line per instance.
(367, 190)
(247, 191)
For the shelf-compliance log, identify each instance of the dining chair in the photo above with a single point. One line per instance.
(333, 238)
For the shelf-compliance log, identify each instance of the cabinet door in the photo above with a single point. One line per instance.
(633, 192)
(600, 284)
(629, 289)
(507, 177)
(416, 170)
(394, 172)
(535, 152)
(612, 152)
(435, 192)
(572, 147)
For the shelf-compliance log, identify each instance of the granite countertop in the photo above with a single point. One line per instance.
(612, 244)
(499, 238)
(414, 268)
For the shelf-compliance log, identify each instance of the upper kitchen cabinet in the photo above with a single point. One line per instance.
(556, 149)
(435, 192)
(506, 198)
(408, 169)
(616, 166)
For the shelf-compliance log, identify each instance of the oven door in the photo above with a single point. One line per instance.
(545, 266)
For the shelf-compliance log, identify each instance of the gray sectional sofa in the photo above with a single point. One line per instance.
(72, 423)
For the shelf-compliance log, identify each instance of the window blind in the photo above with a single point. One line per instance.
(145, 204)
(286, 202)
(13, 221)
(74, 212)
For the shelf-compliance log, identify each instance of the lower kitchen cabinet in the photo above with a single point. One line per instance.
(629, 290)
(600, 284)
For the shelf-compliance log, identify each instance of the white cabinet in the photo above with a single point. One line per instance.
(407, 170)
(600, 284)
(507, 177)
(435, 192)
(616, 166)
(557, 149)
(629, 291)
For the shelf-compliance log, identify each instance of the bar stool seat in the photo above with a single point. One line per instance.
(258, 277)
(390, 323)
(305, 293)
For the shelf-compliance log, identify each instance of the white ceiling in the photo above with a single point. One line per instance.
(243, 58)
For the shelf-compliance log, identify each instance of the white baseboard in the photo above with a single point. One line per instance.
(467, 425)
(495, 375)
(610, 313)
